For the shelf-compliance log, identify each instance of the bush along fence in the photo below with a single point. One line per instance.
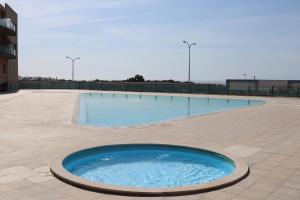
(162, 87)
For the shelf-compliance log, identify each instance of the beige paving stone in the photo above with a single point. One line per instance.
(219, 195)
(29, 198)
(43, 169)
(50, 195)
(234, 189)
(40, 179)
(78, 193)
(4, 188)
(279, 172)
(12, 195)
(241, 198)
(242, 151)
(294, 177)
(26, 174)
(276, 196)
(250, 180)
(258, 172)
(267, 184)
(188, 197)
(16, 185)
(263, 166)
(288, 192)
(52, 184)
(9, 178)
(292, 184)
(13, 170)
(32, 189)
(255, 194)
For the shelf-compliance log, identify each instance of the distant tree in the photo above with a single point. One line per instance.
(136, 78)
(164, 81)
(169, 81)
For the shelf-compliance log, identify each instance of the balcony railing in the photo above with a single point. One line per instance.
(7, 23)
(8, 51)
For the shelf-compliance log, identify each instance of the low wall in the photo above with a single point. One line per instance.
(127, 86)
(161, 87)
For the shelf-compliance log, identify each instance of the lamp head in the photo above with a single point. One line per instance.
(194, 43)
(184, 42)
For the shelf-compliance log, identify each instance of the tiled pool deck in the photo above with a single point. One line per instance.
(35, 128)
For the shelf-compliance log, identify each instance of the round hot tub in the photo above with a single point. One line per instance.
(149, 169)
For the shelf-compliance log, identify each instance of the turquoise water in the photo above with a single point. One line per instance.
(117, 110)
(148, 166)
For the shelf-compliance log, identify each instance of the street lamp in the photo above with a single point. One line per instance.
(189, 45)
(73, 61)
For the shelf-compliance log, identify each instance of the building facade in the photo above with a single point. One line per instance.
(8, 49)
(245, 84)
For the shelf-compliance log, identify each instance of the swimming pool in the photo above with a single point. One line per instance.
(118, 110)
(149, 169)
(149, 166)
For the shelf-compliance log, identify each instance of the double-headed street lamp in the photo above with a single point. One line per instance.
(73, 61)
(189, 45)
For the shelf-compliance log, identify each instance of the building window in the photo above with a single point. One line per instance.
(4, 69)
(2, 14)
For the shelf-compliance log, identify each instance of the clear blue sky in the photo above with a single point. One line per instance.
(119, 38)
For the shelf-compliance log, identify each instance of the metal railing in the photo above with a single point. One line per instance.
(6, 22)
(8, 50)
(162, 87)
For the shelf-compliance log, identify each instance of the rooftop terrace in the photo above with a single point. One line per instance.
(35, 128)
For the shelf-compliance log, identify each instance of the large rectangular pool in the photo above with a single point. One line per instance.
(122, 110)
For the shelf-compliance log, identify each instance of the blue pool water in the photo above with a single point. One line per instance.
(115, 110)
(148, 166)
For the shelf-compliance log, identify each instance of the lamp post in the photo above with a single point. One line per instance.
(189, 45)
(73, 62)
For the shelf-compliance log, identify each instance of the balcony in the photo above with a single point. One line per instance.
(8, 52)
(7, 26)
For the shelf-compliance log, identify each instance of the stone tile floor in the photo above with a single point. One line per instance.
(35, 127)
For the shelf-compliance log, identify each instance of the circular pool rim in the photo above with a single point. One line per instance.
(241, 171)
